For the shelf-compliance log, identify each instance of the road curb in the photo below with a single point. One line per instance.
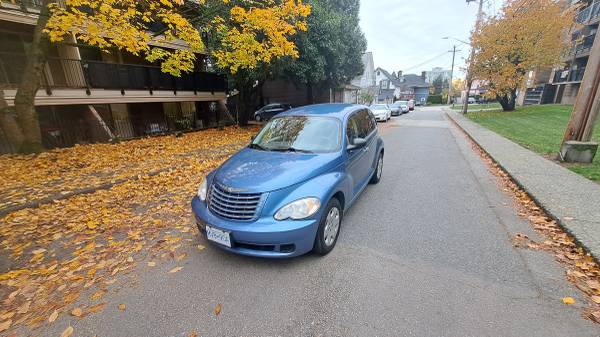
(568, 198)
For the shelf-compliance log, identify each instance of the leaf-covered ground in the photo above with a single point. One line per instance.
(61, 257)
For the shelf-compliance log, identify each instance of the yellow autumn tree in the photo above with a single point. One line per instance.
(248, 33)
(526, 35)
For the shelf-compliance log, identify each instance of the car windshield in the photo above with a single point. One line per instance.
(379, 107)
(403, 102)
(299, 134)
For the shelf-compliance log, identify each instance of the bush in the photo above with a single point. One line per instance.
(435, 99)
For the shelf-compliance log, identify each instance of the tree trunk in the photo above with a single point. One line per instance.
(465, 108)
(310, 97)
(9, 125)
(508, 102)
(30, 83)
(243, 105)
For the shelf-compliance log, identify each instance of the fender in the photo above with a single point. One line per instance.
(322, 187)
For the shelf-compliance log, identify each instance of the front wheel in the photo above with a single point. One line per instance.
(329, 228)
(378, 170)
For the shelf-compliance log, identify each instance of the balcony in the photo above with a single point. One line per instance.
(589, 14)
(566, 76)
(23, 5)
(83, 74)
(581, 49)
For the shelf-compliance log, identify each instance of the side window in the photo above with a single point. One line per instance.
(352, 128)
(365, 123)
(373, 123)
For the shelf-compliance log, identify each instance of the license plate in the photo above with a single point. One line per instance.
(218, 236)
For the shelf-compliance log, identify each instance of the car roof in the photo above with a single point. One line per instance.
(338, 110)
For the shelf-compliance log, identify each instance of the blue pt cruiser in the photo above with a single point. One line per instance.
(285, 194)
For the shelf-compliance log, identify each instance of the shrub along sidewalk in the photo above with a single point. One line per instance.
(539, 128)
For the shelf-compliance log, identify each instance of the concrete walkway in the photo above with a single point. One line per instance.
(571, 199)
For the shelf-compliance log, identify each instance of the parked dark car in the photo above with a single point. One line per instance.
(268, 111)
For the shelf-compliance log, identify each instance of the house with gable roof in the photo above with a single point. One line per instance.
(399, 86)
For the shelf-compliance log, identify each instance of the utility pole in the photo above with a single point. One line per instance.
(577, 145)
(469, 78)
(451, 75)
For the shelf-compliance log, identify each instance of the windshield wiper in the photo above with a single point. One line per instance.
(257, 146)
(291, 149)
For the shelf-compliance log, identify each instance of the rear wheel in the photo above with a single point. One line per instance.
(329, 228)
(378, 170)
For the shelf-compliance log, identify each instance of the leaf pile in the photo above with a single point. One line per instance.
(27, 178)
(582, 270)
(72, 250)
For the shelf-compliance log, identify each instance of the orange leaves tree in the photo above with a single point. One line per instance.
(526, 35)
(246, 37)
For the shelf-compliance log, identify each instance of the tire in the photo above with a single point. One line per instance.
(376, 177)
(325, 241)
(257, 118)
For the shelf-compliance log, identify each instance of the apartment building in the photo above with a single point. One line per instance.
(567, 80)
(561, 85)
(88, 95)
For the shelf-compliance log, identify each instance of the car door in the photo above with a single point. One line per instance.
(369, 132)
(361, 124)
(355, 165)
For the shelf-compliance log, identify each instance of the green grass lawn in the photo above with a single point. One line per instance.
(478, 107)
(539, 128)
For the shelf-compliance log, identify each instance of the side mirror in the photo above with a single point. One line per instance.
(356, 143)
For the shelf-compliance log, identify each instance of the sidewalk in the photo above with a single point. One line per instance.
(571, 199)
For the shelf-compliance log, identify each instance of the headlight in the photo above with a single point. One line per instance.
(298, 209)
(202, 190)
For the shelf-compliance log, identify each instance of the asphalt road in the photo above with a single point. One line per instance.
(426, 252)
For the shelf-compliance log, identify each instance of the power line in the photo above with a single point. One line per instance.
(427, 61)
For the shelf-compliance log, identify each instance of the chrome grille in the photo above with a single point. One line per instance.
(233, 205)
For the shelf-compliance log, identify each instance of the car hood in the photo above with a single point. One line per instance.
(253, 170)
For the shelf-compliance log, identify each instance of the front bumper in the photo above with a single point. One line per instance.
(263, 237)
(380, 118)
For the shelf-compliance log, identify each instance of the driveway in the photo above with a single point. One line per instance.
(426, 252)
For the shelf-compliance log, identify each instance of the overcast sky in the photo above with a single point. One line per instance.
(405, 33)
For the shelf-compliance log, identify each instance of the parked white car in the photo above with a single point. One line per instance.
(381, 112)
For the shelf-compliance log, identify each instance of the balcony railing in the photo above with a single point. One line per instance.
(590, 13)
(24, 5)
(84, 74)
(561, 76)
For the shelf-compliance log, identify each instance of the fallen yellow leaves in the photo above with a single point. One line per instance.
(77, 312)
(218, 309)
(5, 325)
(122, 307)
(81, 245)
(175, 270)
(53, 316)
(68, 332)
(96, 308)
(568, 300)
